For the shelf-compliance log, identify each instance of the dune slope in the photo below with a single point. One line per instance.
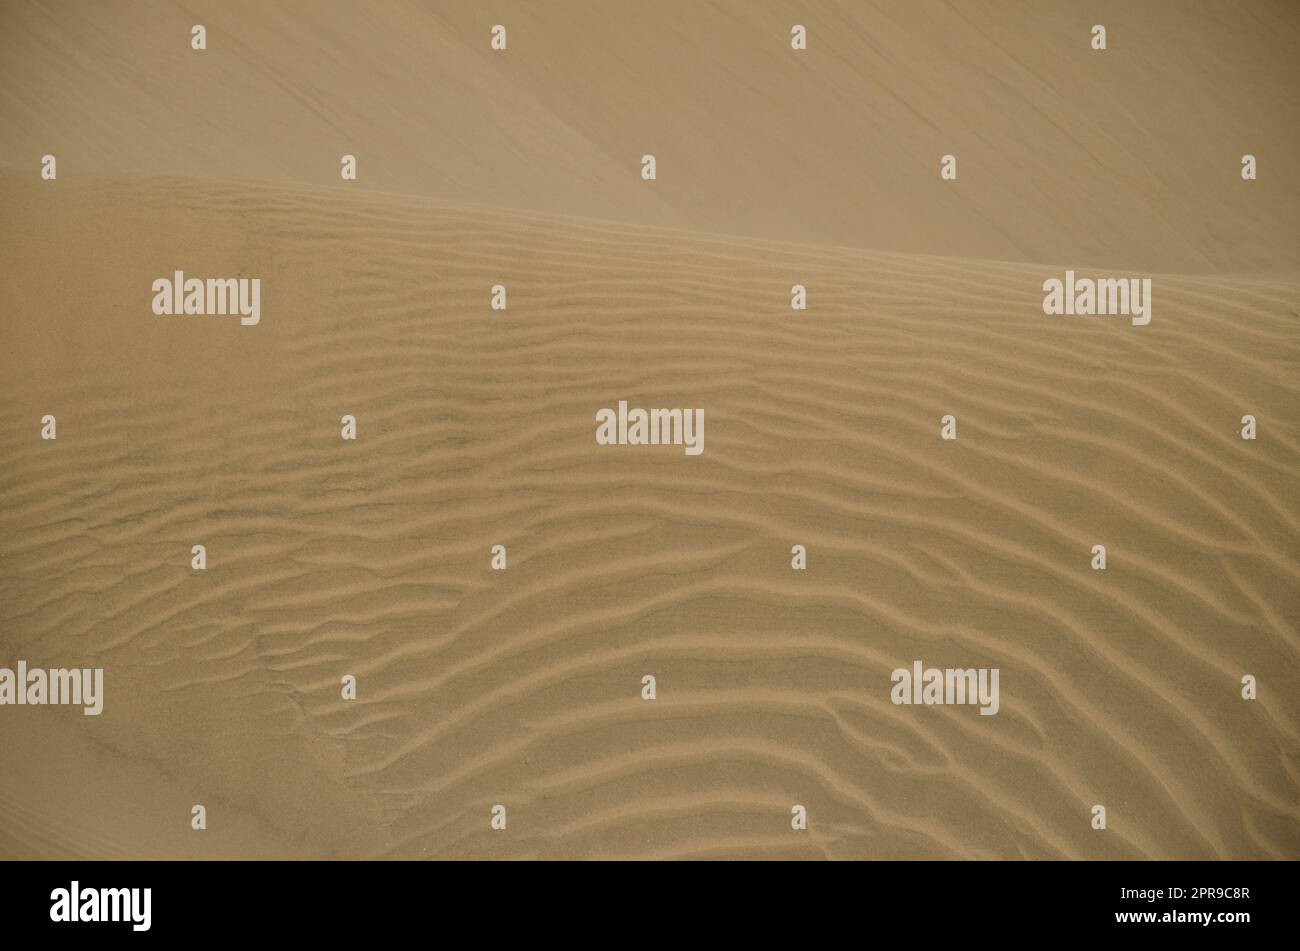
(521, 687)
(1128, 157)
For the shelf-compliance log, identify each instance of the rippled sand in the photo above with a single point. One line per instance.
(476, 428)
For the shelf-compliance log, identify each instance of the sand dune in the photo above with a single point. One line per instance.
(479, 687)
(1123, 158)
(476, 428)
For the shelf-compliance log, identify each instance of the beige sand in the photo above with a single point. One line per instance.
(522, 687)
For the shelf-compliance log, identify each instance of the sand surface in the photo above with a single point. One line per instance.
(523, 687)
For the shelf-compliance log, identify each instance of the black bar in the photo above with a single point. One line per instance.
(618, 902)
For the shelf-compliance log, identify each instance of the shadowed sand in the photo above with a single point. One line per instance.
(521, 687)
(1125, 158)
(477, 428)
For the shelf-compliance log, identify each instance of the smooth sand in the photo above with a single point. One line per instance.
(522, 687)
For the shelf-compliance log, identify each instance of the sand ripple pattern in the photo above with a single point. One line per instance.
(522, 687)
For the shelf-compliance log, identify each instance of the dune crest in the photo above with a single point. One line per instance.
(1128, 157)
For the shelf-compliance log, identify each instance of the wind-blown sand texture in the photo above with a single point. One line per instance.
(522, 687)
